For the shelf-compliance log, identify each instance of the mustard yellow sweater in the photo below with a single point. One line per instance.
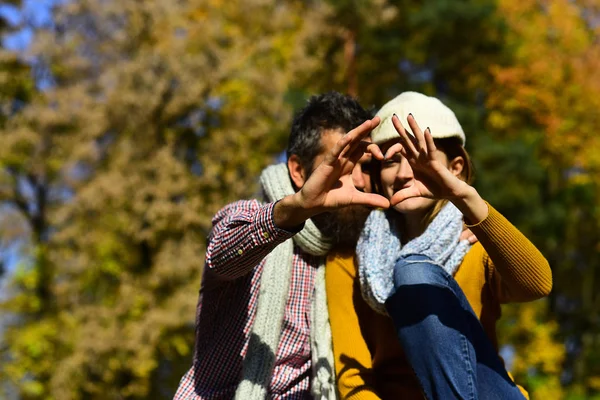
(504, 266)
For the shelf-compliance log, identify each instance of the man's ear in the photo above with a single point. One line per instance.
(456, 165)
(297, 172)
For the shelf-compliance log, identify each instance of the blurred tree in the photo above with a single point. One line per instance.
(545, 96)
(537, 361)
(16, 215)
(511, 178)
(155, 114)
(16, 89)
(15, 82)
(378, 48)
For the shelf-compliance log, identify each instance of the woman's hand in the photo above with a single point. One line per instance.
(433, 179)
(468, 235)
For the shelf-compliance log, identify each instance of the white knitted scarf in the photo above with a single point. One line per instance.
(274, 289)
(379, 249)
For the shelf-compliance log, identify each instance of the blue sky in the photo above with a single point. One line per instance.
(34, 13)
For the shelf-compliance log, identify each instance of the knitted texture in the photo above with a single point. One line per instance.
(274, 288)
(266, 329)
(428, 112)
(379, 248)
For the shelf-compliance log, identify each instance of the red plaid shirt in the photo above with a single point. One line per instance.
(243, 235)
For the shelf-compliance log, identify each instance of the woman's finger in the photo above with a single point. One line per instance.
(406, 141)
(430, 143)
(414, 126)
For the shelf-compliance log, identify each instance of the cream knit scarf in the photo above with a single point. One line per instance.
(272, 299)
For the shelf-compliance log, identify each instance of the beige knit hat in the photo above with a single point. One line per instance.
(428, 112)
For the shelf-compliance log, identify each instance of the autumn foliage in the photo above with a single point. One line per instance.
(125, 125)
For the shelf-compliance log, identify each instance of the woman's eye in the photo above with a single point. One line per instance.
(367, 165)
(395, 159)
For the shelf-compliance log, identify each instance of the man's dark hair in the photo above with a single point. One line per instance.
(328, 111)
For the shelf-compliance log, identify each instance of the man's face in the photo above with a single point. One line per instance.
(344, 225)
(328, 139)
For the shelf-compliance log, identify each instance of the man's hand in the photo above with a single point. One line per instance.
(468, 235)
(330, 186)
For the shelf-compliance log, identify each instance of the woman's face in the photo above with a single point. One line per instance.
(397, 175)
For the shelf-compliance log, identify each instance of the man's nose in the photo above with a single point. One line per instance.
(358, 178)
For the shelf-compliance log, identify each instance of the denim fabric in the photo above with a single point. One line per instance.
(442, 337)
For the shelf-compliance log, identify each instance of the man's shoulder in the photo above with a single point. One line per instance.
(241, 206)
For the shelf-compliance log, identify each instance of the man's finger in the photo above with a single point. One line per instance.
(344, 144)
(468, 235)
(404, 194)
(469, 238)
(363, 148)
(370, 199)
(374, 149)
(396, 148)
(358, 153)
(356, 138)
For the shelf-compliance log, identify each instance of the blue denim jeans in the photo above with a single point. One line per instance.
(442, 337)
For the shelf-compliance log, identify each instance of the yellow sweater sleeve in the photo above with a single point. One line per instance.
(353, 361)
(521, 272)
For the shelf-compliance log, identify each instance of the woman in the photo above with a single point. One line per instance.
(416, 317)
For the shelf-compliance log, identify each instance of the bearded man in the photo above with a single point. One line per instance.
(262, 328)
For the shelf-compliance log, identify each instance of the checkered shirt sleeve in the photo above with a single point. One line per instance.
(243, 234)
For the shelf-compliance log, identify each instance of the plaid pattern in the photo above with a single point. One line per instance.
(243, 235)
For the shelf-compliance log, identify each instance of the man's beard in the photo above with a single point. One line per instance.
(343, 226)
